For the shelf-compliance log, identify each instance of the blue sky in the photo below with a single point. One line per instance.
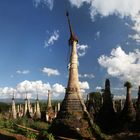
(35, 53)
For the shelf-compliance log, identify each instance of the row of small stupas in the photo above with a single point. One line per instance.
(128, 109)
(18, 111)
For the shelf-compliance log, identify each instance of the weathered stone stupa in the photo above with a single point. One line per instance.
(14, 112)
(70, 121)
(106, 116)
(107, 107)
(26, 108)
(37, 113)
(73, 102)
(50, 114)
(128, 112)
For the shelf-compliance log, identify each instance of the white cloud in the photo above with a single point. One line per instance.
(135, 37)
(98, 88)
(122, 65)
(48, 3)
(119, 97)
(50, 41)
(57, 89)
(81, 49)
(79, 3)
(103, 8)
(83, 86)
(86, 76)
(110, 7)
(50, 71)
(7, 92)
(97, 35)
(32, 88)
(22, 71)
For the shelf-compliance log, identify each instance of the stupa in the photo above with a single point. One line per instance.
(128, 113)
(72, 120)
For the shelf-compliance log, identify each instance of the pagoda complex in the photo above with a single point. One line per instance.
(72, 120)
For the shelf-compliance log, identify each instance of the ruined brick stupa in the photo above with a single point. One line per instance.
(70, 121)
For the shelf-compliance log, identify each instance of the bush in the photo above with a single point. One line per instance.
(31, 135)
(44, 135)
(8, 124)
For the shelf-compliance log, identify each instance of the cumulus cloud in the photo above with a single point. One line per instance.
(50, 71)
(100, 7)
(135, 37)
(79, 3)
(84, 86)
(22, 71)
(119, 97)
(98, 88)
(57, 89)
(122, 65)
(48, 3)
(125, 8)
(7, 92)
(51, 40)
(90, 76)
(32, 88)
(81, 49)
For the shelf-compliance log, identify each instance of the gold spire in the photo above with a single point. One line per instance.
(72, 35)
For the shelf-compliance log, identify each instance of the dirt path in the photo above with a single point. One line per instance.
(126, 136)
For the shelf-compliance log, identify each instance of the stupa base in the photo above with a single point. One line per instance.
(72, 125)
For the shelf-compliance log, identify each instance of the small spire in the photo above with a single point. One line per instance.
(13, 96)
(37, 97)
(25, 93)
(72, 35)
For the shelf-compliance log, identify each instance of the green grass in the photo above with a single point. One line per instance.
(42, 127)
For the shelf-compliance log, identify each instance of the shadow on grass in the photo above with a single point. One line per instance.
(5, 137)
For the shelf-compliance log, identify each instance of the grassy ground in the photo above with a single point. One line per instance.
(24, 129)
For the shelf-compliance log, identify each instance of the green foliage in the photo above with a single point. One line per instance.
(40, 125)
(31, 135)
(8, 124)
(4, 107)
(44, 135)
(23, 121)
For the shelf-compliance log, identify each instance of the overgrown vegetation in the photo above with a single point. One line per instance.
(41, 127)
